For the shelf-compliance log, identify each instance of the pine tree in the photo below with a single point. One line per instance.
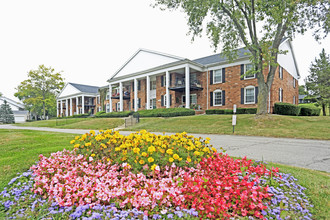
(6, 114)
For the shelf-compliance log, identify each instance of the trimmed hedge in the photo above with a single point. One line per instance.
(114, 114)
(309, 111)
(100, 113)
(230, 111)
(286, 109)
(166, 112)
(76, 116)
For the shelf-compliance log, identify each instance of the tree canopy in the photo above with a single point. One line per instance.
(39, 91)
(6, 113)
(258, 25)
(318, 82)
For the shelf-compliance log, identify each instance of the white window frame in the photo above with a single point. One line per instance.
(164, 101)
(294, 82)
(153, 103)
(191, 95)
(216, 71)
(281, 72)
(245, 70)
(281, 95)
(153, 82)
(254, 95)
(217, 91)
(107, 108)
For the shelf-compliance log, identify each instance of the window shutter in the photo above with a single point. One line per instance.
(162, 100)
(170, 79)
(162, 80)
(223, 93)
(133, 105)
(211, 98)
(139, 85)
(223, 75)
(170, 100)
(211, 77)
(116, 106)
(139, 104)
(132, 87)
(242, 95)
(256, 92)
(242, 73)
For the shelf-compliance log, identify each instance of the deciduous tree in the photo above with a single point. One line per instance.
(39, 91)
(318, 82)
(259, 25)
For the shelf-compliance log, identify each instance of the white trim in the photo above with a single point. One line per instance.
(121, 98)
(254, 95)
(187, 73)
(245, 76)
(220, 75)
(148, 92)
(294, 82)
(135, 95)
(110, 99)
(217, 91)
(280, 95)
(280, 70)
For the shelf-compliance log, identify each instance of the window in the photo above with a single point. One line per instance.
(294, 100)
(294, 82)
(217, 98)
(217, 76)
(249, 97)
(153, 103)
(153, 85)
(280, 72)
(193, 77)
(247, 68)
(108, 108)
(280, 95)
(193, 99)
(108, 96)
(118, 106)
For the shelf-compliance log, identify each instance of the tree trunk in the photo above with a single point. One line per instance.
(262, 98)
(44, 110)
(323, 109)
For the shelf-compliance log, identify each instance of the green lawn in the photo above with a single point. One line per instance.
(269, 126)
(20, 150)
(77, 123)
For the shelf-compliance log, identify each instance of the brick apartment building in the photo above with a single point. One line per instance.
(151, 79)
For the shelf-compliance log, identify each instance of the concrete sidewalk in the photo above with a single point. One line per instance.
(311, 154)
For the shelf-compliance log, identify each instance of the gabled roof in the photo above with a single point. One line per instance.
(85, 88)
(218, 58)
(144, 59)
(12, 102)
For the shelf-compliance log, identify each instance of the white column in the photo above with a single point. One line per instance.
(83, 104)
(135, 95)
(77, 110)
(167, 90)
(148, 92)
(110, 95)
(71, 106)
(61, 108)
(187, 86)
(66, 108)
(57, 111)
(121, 99)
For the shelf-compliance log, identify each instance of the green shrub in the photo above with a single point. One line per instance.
(251, 111)
(219, 111)
(228, 111)
(114, 114)
(166, 112)
(210, 111)
(286, 109)
(309, 111)
(240, 111)
(100, 113)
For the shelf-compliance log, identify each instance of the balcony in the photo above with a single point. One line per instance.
(126, 95)
(180, 86)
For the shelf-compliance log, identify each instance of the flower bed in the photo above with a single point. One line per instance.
(143, 176)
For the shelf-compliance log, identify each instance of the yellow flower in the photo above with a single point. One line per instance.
(117, 149)
(92, 132)
(153, 167)
(171, 159)
(169, 151)
(207, 142)
(150, 160)
(76, 145)
(197, 153)
(72, 142)
(136, 150)
(188, 159)
(151, 149)
(108, 159)
(141, 162)
(180, 159)
(215, 150)
(77, 137)
(175, 156)
(144, 154)
(88, 144)
(93, 155)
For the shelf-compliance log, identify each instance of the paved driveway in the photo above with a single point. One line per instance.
(311, 154)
